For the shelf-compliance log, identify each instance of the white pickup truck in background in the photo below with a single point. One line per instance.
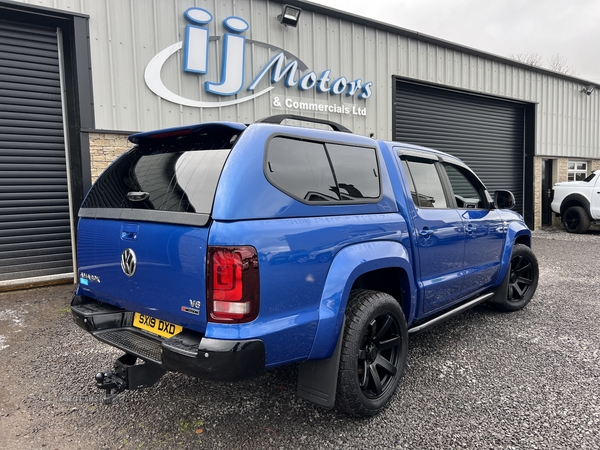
(577, 203)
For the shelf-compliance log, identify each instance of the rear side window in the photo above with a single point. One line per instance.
(315, 172)
(301, 169)
(356, 171)
(176, 176)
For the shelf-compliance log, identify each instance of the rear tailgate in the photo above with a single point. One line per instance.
(165, 265)
(144, 224)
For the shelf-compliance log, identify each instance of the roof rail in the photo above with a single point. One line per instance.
(281, 117)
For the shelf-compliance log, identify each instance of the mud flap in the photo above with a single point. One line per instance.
(317, 379)
(501, 291)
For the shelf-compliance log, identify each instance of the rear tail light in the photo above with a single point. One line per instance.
(233, 284)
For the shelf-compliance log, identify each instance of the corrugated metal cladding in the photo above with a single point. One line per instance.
(126, 34)
(35, 232)
(485, 133)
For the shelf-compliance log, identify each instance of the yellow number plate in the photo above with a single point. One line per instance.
(156, 326)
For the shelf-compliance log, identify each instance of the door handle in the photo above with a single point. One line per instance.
(426, 232)
(470, 228)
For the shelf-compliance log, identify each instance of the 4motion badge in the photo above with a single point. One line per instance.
(85, 278)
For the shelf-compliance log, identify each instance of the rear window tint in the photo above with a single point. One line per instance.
(165, 178)
(356, 171)
(315, 172)
(301, 169)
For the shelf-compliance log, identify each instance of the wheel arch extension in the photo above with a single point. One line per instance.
(390, 280)
(362, 266)
(517, 233)
(575, 199)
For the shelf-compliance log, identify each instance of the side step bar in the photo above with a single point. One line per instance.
(476, 301)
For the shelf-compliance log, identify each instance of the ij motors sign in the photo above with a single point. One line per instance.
(283, 67)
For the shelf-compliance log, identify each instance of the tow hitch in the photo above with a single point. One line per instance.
(126, 375)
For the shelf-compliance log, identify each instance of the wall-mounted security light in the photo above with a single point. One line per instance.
(587, 90)
(289, 15)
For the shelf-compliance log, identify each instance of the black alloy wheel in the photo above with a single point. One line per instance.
(576, 220)
(522, 280)
(374, 350)
(378, 355)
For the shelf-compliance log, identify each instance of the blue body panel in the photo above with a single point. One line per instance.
(171, 267)
(441, 257)
(485, 238)
(296, 259)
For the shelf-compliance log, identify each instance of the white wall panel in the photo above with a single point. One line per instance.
(126, 34)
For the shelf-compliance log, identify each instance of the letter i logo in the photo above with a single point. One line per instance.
(196, 41)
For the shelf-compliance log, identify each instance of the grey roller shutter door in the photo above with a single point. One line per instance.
(35, 229)
(486, 133)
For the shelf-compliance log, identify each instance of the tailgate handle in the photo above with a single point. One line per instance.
(129, 231)
(138, 196)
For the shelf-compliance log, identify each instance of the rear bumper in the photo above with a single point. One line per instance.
(188, 352)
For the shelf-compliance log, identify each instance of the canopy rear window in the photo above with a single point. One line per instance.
(176, 175)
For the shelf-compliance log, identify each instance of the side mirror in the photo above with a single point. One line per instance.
(504, 199)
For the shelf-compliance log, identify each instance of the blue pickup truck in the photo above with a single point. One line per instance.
(221, 250)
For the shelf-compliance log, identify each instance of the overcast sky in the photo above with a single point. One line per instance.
(570, 28)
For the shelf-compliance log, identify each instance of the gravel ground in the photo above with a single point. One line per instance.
(485, 379)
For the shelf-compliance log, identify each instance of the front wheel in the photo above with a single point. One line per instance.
(521, 280)
(576, 220)
(373, 355)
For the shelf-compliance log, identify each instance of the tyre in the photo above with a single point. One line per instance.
(373, 354)
(520, 282)
(576, 220)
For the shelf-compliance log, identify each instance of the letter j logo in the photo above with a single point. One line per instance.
(196, 51)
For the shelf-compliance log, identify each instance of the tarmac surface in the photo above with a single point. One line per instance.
(485, 379)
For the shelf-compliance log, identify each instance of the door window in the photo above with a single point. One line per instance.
(428, 189)
(467, 192)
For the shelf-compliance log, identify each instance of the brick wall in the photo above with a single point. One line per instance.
(563, 169)
(104, 148)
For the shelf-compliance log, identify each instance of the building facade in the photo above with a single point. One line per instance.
(78, 76)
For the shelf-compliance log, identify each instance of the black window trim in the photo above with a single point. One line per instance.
(324, 143)
(146, 215)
